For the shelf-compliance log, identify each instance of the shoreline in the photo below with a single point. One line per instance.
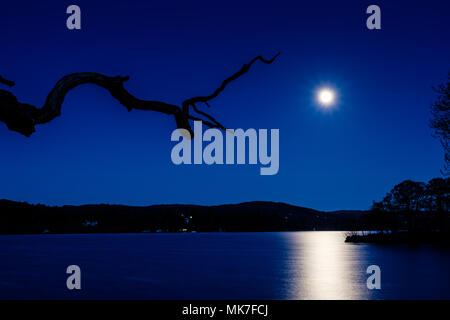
(441, 238)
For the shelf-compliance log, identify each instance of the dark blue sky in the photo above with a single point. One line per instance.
(97, 152)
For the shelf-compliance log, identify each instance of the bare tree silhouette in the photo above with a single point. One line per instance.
(23, 118)
(440, 122)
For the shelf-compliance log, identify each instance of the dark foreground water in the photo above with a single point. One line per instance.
(293, 265)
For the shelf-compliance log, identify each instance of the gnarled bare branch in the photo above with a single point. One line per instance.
(243, 70)
(7, 82)
(23, 118)
(215, 122)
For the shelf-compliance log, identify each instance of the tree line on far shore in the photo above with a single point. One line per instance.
(414, 206)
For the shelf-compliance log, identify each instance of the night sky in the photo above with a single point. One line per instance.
(96, 152)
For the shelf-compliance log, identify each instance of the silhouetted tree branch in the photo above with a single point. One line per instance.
(23, 118)
(440, 122)
(7, 82)
(205, 99)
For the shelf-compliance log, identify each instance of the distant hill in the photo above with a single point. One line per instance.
(22, 218)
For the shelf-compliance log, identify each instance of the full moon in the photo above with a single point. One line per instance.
(326, 97)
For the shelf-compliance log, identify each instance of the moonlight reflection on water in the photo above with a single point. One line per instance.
(266, 265)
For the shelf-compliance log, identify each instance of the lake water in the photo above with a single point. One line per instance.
(291, 265)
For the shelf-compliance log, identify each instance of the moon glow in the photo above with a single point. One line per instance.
(326, 97)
